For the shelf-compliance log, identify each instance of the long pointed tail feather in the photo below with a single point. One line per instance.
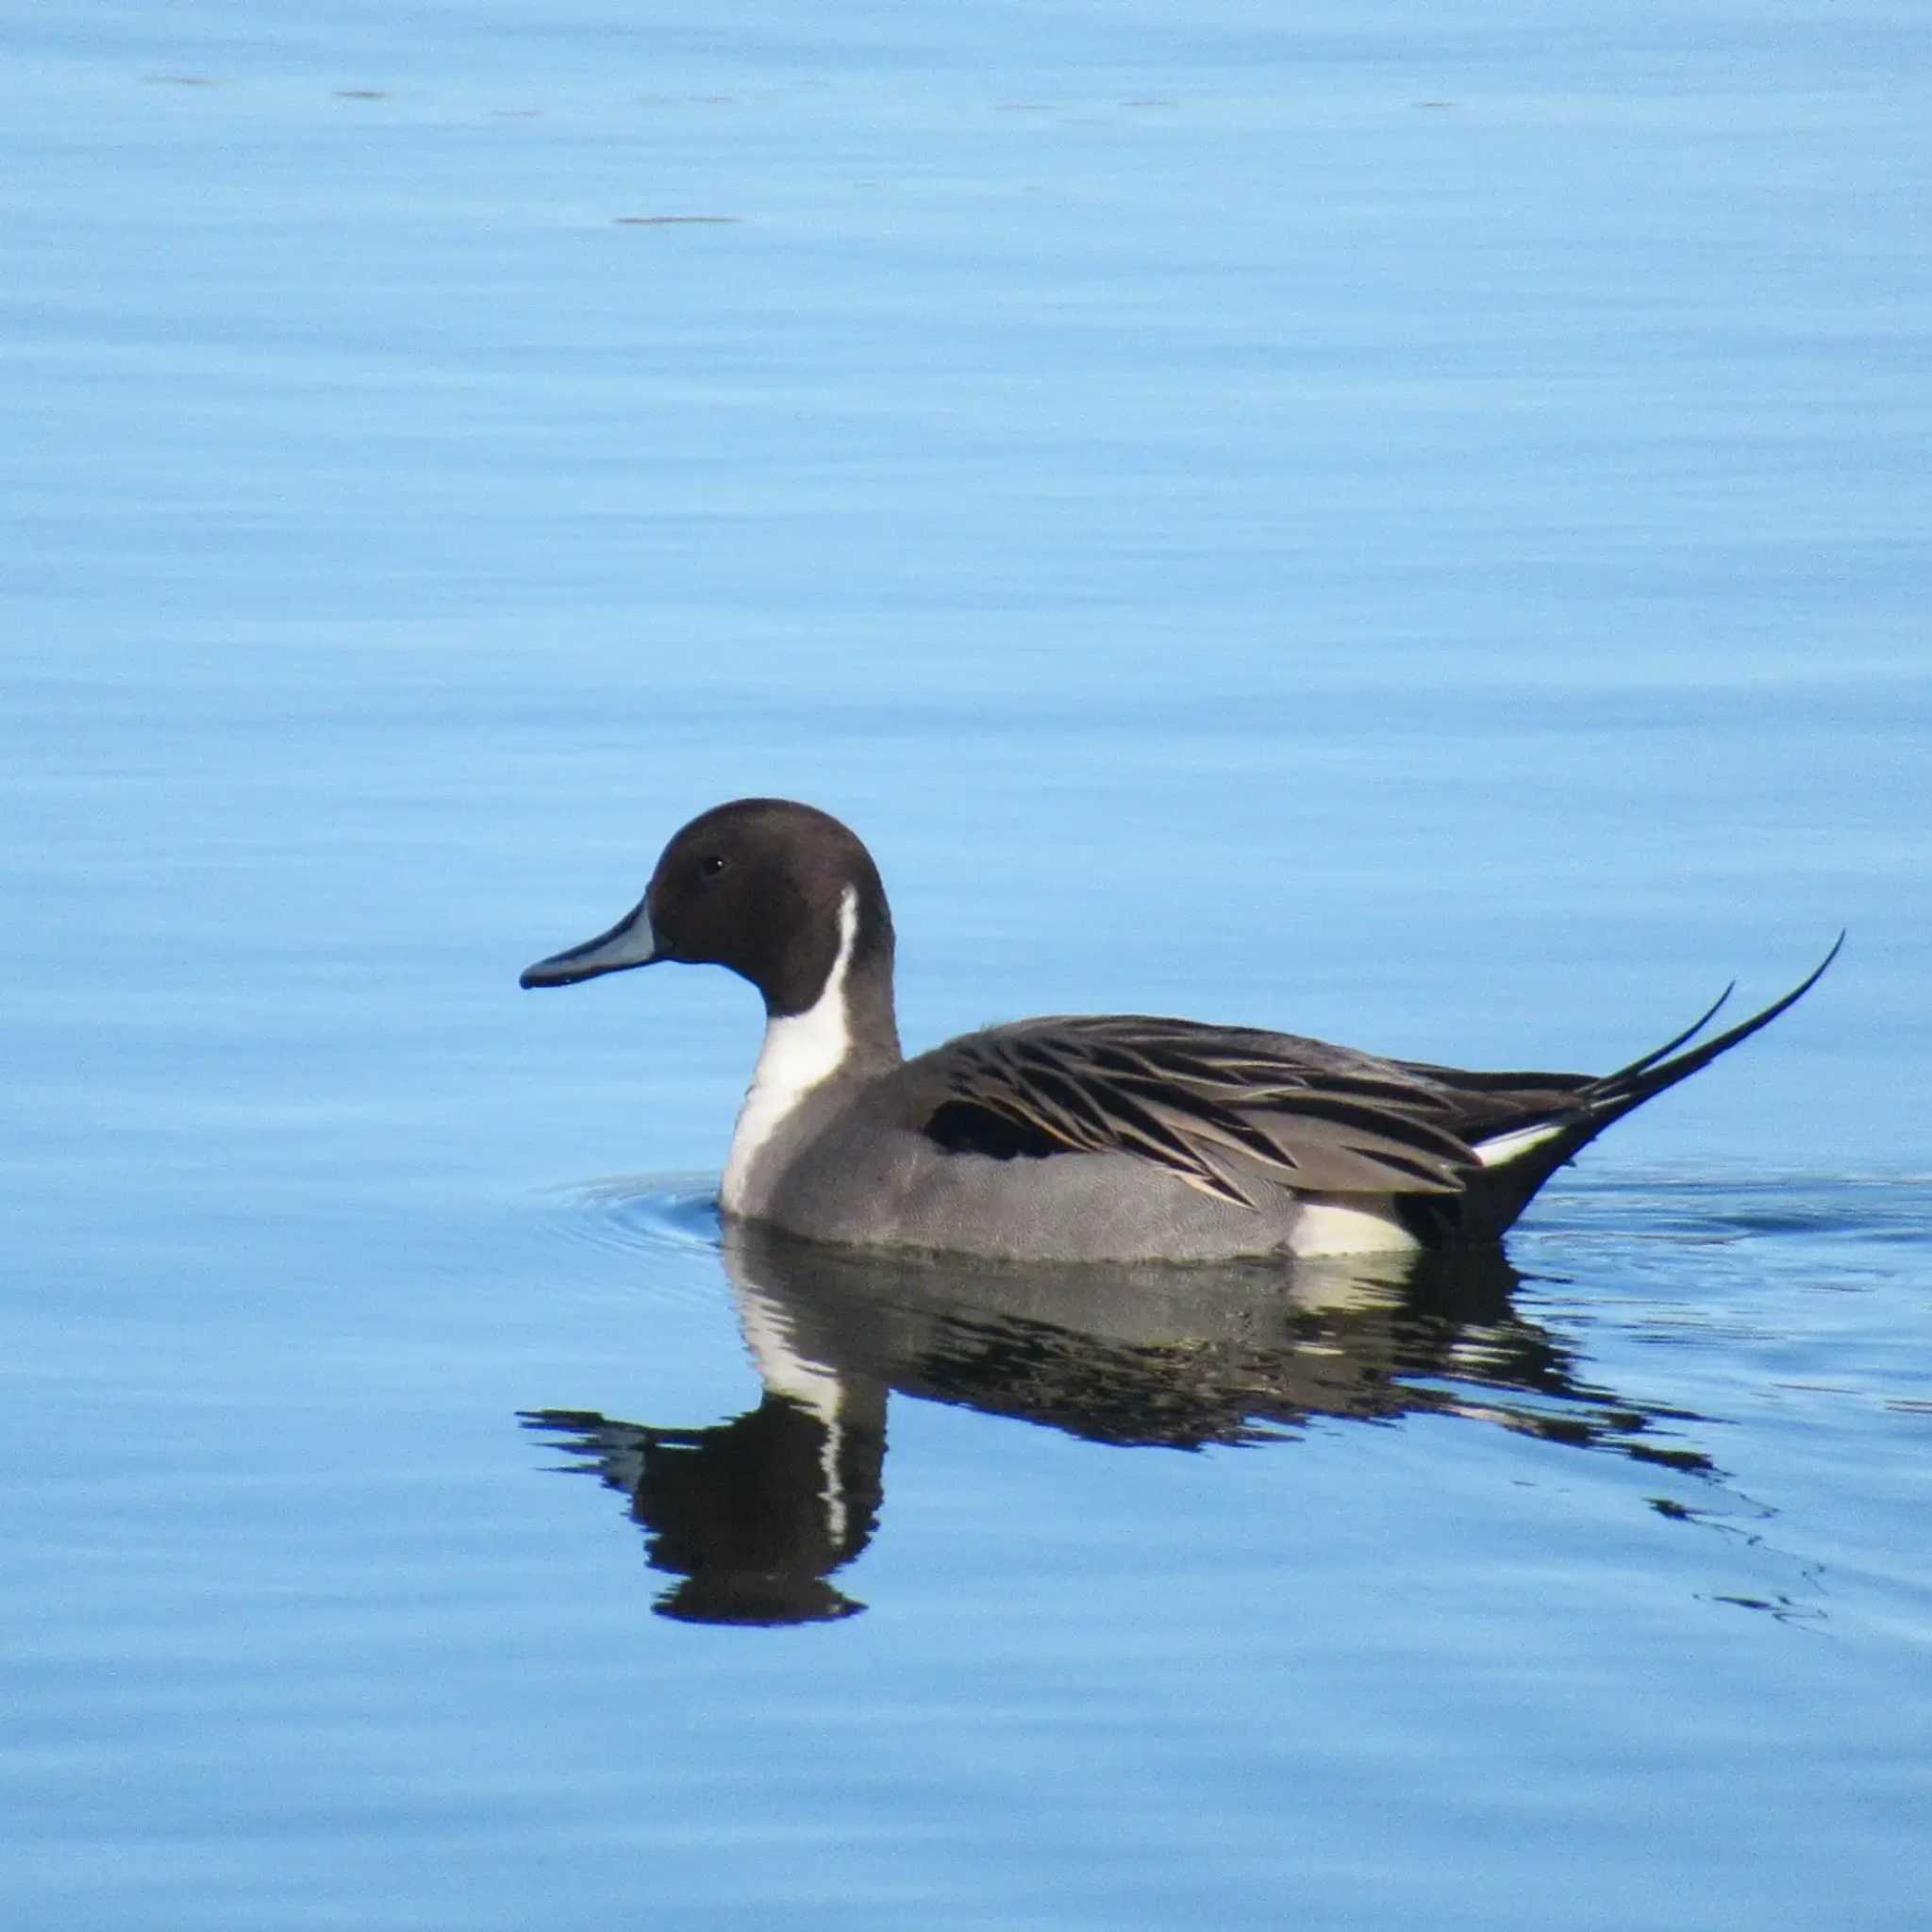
(1633, 1085)
(1520, 1154)
(1689, 1034)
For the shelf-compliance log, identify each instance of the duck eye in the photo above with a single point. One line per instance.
(712, 865)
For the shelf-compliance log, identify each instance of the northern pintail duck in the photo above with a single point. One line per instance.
(1117, 1138)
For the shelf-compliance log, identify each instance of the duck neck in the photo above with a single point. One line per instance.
(848, 1032)
(865, 968)
(851, 1027)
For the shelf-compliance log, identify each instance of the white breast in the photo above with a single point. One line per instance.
(800, 1050)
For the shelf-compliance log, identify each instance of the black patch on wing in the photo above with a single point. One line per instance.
(960, 1127)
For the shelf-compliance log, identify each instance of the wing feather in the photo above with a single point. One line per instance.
(1227, 1111)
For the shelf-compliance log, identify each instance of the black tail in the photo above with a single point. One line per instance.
(1501, 1193)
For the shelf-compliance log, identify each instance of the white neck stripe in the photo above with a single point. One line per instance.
(800, 1050)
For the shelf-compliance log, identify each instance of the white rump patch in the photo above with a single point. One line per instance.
(800, 1050)
(1503, 1148)
(1366, 1226)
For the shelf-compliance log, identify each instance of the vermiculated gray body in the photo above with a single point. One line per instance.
(847, 1167)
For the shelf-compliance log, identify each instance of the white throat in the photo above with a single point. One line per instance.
(800, 1050)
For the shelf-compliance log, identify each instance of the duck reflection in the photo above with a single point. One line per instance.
(754, 1516)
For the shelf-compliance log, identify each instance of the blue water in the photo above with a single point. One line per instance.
(1403, 523)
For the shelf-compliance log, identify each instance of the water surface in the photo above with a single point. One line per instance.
(1404, 526)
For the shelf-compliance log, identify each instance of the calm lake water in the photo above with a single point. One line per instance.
(1404, 524)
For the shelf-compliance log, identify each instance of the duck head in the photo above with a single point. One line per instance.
(775, 891)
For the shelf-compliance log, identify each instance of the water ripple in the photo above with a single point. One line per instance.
(645, 1218)
(1891, 1208)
